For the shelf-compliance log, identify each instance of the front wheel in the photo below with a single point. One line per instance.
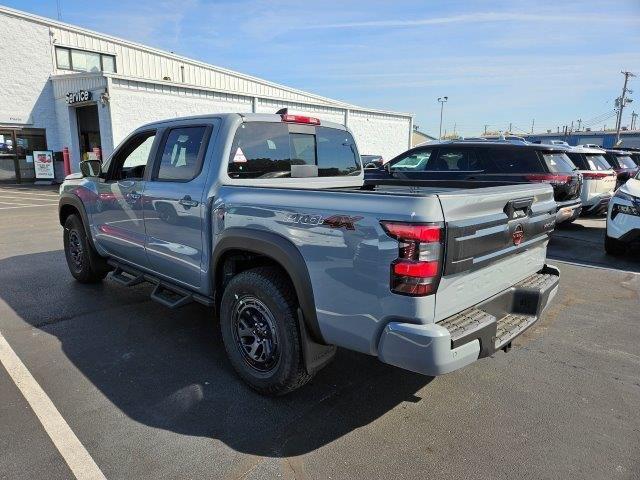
(84, 263)
(613, 246)
(260, 331)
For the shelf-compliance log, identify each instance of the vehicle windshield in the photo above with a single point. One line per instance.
(597, 162)
(415, 162)
(558, 162)
(626, 161)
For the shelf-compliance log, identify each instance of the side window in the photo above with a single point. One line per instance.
(454, 160)
(337, 153)
(182, 154)
(415, 162)
(130, 161)
(580, 161)
(514, 160)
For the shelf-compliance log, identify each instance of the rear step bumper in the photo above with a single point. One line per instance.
(438, 348)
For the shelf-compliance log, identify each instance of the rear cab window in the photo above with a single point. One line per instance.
(265, 150)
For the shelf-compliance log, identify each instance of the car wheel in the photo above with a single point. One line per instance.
(84, 263)
(613, 246)
(258, 320)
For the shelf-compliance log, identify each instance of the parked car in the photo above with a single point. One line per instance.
(463, 164)
(598, 178)
(278, 229)
(622, 163)
(634, 153)
(623, 217)
(372, 161)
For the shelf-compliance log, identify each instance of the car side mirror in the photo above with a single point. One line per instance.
(91, 168)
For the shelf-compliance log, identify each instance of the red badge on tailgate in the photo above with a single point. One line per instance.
(518, 234)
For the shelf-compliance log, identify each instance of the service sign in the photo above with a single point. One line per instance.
(43, 163)
(79, 96)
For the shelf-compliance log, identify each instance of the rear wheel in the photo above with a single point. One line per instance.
(613, 246)
(260, 331)
(84, 263)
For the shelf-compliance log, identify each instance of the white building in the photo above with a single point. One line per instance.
(65, 86)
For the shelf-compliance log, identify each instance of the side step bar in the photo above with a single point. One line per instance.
(165, 293)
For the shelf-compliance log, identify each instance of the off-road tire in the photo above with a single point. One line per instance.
(274, 290)
(84, 263)
(613, 246)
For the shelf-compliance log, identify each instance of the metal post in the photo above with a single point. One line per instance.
(442, 101)
(621, 106)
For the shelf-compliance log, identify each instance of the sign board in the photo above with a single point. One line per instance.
(43, 164)
(77, 97)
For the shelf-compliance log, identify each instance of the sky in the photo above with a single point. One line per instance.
(498, 62)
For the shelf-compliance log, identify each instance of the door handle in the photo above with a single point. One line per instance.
(187, 202)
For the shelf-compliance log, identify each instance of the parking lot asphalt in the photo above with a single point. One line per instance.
(149, 393)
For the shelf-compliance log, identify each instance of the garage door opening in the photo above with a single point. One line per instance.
(89, 132)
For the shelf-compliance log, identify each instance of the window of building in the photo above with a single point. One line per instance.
(181, 156)
(83, 61)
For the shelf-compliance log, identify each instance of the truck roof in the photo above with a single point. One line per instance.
(247, 117)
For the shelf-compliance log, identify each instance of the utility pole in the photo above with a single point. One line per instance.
(621, 105)
(442, 101)
(634, 117)
(455, 127)
(579, 123)
(509, 127)
(59, 10)
(533, 122)
(485, 128)
(570, 131)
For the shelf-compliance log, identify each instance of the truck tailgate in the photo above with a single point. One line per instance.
(495, 237)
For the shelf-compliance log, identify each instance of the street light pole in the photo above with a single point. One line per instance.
(442, 101)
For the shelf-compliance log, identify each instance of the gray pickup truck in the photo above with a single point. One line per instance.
(263, 218)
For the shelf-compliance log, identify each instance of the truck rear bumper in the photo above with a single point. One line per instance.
(479, 331)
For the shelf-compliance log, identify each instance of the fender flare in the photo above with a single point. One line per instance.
(74, 201)
(282, 251)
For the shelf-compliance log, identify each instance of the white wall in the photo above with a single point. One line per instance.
(26, 95)
(378, 134)
(134, 104)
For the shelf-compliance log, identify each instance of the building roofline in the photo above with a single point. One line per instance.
(50, 22)
(188, 86)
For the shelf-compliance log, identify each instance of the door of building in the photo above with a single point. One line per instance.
(8, 155)
(88, 132)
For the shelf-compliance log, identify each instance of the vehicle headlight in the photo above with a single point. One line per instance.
(624, 196)
(633, 209)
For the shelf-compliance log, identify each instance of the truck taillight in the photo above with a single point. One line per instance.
(417, 269)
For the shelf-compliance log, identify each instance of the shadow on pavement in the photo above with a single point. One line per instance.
(167, 369)
(582, 242)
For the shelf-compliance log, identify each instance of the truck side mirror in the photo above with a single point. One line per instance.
(91, 168)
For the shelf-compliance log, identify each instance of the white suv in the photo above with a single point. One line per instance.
(623, 217)
(598, 178)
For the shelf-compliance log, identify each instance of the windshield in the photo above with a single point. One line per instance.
(558, 162)
(597, 162)
(415, 162)
(625, 161)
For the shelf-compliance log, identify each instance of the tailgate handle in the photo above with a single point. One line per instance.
(518, 208)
